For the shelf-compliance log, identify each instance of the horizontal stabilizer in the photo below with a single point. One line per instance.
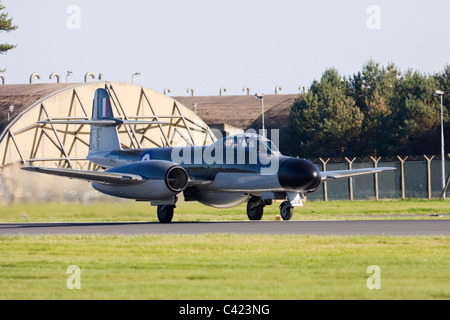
(98, 122)
(91, 176)
(341, 174)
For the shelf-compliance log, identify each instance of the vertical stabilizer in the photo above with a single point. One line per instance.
(103, 137)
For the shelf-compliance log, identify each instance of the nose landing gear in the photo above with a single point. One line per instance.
(286, 211)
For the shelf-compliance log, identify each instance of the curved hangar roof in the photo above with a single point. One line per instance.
(23, 140)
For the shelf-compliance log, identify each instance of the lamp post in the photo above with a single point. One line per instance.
(132, 77)
(261, 97)
(11, 110)
(69, 73)
(439, 93)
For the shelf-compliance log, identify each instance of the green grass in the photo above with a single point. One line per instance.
(224, 267)
(135, 211)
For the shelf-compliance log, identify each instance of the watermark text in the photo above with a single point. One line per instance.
(74, 281)
(374, 281)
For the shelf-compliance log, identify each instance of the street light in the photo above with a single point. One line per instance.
(69, 73)
(261, 96)
(11, 110)
(132, 77)
(439, 93)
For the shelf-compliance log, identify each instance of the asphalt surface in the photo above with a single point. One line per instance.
(345, 227)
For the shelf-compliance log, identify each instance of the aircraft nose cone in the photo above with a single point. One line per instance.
(299, 174)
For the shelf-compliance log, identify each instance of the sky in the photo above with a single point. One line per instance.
(210, 44)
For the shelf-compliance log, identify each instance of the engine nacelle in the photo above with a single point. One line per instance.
(161, 180)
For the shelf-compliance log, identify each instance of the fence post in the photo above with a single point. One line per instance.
(325, 188)
(350, 165)
(429, 175)
(375, 161)
(402, 161)
(446, 187)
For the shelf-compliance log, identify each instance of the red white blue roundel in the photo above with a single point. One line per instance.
(146, 157)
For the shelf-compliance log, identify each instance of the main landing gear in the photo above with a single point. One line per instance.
(165, 213)
(255, 209)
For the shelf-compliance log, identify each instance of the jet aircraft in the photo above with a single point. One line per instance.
(245, 167)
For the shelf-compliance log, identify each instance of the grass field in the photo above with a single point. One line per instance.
(189, 211)
(224, 266)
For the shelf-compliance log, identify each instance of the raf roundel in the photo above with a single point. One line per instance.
(146, 157)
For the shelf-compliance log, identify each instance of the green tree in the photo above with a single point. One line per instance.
(6, 25)
(326, 121)
(378, 111)
(372, 90)
(416, 115)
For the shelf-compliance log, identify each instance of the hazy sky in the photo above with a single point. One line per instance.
(209, 44)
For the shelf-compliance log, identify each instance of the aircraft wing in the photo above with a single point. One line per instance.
(341, 174)
(91, 176)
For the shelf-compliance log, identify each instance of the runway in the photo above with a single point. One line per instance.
(344, 227)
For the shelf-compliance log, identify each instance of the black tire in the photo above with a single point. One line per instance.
(286, 211)
(165, 214)
(255, 209)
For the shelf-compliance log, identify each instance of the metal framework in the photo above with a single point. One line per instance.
(66, 146)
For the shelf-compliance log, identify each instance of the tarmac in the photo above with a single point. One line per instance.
(439, 227)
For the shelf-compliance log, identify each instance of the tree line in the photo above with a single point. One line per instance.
(6, 25)
(379, 111)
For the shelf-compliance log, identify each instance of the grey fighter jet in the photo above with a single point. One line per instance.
(246, 167)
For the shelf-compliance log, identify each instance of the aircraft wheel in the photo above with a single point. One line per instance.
(165, 213)
(286, 211)
(255, 208)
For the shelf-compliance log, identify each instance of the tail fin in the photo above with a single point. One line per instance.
(104, 137)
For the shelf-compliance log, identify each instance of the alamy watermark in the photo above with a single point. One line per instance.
(74, 281)
(73, 21)
(374, 280)
(374, 20)
(248, 148)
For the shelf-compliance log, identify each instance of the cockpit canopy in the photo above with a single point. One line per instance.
(250, 142)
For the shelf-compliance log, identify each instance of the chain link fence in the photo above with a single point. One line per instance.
(415, 177)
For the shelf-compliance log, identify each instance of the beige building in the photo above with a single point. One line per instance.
(23, 140)
(241, 112)
(190, 121)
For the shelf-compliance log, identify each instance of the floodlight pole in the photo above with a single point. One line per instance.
(132, 77)
(442, 143)
(68, 75)
(261, 96)
(441, 94)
